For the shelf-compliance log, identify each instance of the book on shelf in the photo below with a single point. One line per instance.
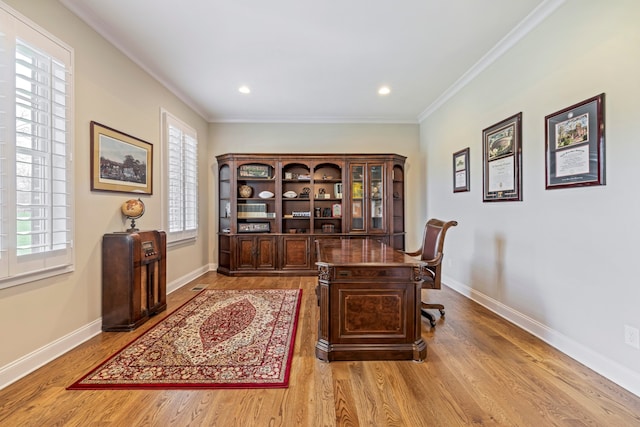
(252, 207)
(356, 190)
(256, 214)
(301, 214)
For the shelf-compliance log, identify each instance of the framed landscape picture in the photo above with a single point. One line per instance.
(574, 145)
(120, 162)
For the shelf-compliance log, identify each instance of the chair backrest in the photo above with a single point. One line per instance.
(433, 245)
(433, 238)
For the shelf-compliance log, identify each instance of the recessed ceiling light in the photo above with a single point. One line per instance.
(244, 89)
(384, 90)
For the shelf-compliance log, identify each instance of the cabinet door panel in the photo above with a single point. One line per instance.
(266, 253)
(295, 253)
(246, 253)
(358, 204)
(376, 187)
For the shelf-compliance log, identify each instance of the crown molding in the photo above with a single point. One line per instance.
(525, 26)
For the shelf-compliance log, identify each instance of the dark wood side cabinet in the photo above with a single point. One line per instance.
(133, 278)
(272, 207)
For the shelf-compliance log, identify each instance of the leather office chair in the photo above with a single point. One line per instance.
(432, 253)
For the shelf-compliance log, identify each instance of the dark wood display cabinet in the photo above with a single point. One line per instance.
(273, 207)
(133, 278)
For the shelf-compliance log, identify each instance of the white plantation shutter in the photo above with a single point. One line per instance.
(182, 179)
(6, 102)
(35, 153)
(190, 170)
(174, 148)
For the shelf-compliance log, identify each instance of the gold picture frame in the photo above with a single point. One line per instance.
(120, 162)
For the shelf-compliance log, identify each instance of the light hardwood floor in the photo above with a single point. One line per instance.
(480, 370)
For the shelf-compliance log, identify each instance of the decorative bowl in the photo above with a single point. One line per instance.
(245, 191)
(290, 194)
(265, 194)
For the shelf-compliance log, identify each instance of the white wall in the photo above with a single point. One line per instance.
(41, 319)
(562, 263)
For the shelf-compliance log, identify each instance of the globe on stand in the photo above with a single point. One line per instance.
(132, 209)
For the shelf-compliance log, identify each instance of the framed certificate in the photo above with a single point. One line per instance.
(461, 171)
(502, 155)
(574, 145)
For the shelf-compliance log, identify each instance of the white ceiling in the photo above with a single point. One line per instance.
(313, 61)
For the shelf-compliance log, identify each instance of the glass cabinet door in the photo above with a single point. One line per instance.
(376, 187)
(224, 199)
(357, 198)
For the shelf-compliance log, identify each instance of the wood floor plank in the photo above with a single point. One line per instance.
(480, 370)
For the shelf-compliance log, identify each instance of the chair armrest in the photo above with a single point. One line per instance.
(430, 262)
(433, 262)
(414, 253)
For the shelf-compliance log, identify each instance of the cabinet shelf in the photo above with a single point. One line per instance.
(327, 181)
(256, 218)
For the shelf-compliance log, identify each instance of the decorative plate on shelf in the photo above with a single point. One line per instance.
(290, 194)
(245, 191)
(265, 194)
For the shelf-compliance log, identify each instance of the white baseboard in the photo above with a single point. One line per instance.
(608, 368)
(17, 369)
(181, 281)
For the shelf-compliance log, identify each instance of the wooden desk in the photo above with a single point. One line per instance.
(369, 298)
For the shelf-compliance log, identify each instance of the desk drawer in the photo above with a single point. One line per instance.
(354, 273)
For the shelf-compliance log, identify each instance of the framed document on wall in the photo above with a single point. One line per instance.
(502, 156)
(574, 145)
(461, 171)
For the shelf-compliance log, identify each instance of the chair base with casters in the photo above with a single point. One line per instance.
(432, 253)
(425, 313)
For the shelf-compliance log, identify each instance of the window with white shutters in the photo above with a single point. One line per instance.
(181, 143)
(36, 128)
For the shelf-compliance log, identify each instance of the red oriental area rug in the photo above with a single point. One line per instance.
(218, 339)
